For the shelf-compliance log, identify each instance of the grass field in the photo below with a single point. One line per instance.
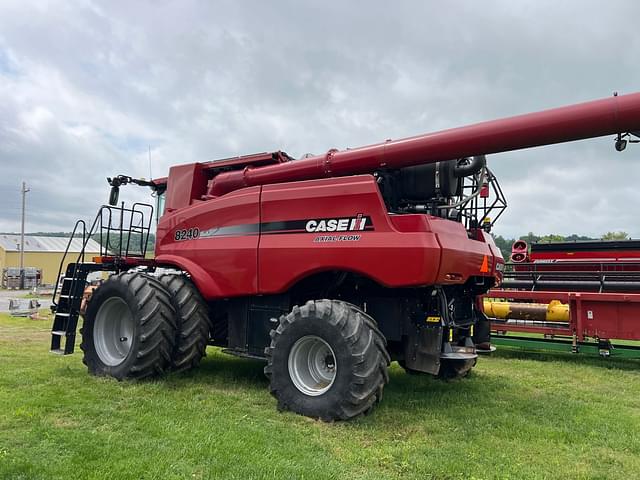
(517, 416)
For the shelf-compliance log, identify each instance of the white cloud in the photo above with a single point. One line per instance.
(86, 87)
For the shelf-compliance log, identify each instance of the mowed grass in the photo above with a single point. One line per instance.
(517, 416)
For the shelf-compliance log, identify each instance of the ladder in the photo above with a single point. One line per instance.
(67, 311)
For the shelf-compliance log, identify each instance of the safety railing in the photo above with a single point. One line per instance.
(484, 201)
(114, 228)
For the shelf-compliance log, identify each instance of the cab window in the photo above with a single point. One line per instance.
(160, 206)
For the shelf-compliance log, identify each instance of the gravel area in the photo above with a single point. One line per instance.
(5, 295)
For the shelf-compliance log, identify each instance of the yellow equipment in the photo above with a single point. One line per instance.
(554, 311)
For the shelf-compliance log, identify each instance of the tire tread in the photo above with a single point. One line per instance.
(368, 351)
(193, 322)
(156, 327)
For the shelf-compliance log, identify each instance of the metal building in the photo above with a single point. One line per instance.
(43, 253)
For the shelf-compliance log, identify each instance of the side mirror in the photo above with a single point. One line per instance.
(113, 196)
(621, 144)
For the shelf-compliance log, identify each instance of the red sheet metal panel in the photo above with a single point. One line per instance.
(607, 315)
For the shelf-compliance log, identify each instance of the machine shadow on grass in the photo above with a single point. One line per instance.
(221, 369)
(407, 397)
(404, 394)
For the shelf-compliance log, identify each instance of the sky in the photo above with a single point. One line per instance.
(88, 88)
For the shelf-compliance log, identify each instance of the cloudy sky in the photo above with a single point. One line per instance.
(86, 87)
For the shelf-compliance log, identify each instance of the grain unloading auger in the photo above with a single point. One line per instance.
(327, 267)
(616, 115)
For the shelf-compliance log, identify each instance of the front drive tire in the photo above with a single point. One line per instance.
(327, 360)
(193, 324)
(129, 328)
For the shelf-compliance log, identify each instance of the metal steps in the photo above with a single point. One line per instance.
(67, 310)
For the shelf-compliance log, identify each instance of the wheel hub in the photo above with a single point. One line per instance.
(312, 365)
(113, 331)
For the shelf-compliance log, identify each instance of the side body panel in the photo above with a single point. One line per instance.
(380, 252)
(262, 240)
(221, 255)
(463, 257)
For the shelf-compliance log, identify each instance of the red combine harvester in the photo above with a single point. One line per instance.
(327, 267)
(578, 295)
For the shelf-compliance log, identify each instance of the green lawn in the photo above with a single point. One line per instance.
(517, 416)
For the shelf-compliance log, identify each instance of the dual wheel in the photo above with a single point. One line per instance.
(327, 359)
(136, 326)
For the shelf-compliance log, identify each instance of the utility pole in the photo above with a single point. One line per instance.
(24, 196)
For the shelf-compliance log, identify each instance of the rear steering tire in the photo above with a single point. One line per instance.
(328, 360)
(129, 328)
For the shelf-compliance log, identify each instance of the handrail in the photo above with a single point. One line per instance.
(66, 251)
(103, 226)
(144, 240)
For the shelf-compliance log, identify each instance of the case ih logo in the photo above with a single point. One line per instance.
(359, 223)
(349, 224)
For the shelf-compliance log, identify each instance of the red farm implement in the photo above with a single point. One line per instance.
(582, 297)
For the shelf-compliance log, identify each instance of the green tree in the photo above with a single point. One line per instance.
(576, 238)
(615, 236)
(552, 238)
(530, 238)
(504, 244)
